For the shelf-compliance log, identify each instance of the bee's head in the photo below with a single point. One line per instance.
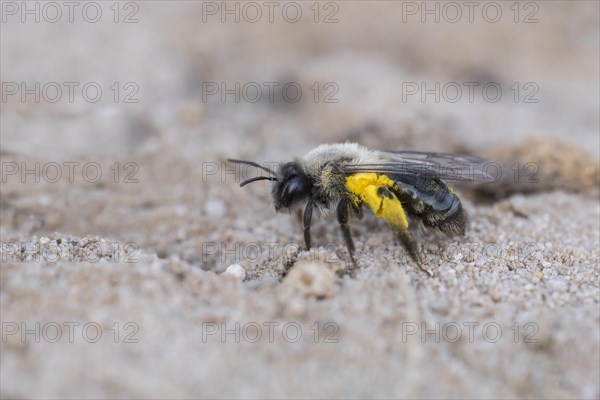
(292, 186)
(291, 183)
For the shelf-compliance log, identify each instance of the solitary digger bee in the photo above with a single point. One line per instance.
(394, 185)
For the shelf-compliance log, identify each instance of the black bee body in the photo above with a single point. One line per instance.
(432, 201)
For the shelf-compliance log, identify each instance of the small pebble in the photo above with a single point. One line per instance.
(235, 270)
(312, 279)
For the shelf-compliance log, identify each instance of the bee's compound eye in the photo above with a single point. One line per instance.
(290, 171)
(291, 187)
(294, 190)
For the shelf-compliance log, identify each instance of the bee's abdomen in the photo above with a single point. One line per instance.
(433, 202)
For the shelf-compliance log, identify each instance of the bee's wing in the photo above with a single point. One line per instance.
(429, 165)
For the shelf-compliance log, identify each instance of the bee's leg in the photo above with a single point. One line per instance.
(306, 223)
(343, 212)
(386, 205)
(411, 247)
(409, 244)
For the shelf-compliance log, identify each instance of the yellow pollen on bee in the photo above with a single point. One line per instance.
(365, 186)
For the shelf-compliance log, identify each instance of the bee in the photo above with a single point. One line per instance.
(395, 186)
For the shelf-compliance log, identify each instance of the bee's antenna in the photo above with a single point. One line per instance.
(252, 163)
(258, 178)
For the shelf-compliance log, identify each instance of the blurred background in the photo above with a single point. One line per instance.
(157, 94)
(179, 87)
